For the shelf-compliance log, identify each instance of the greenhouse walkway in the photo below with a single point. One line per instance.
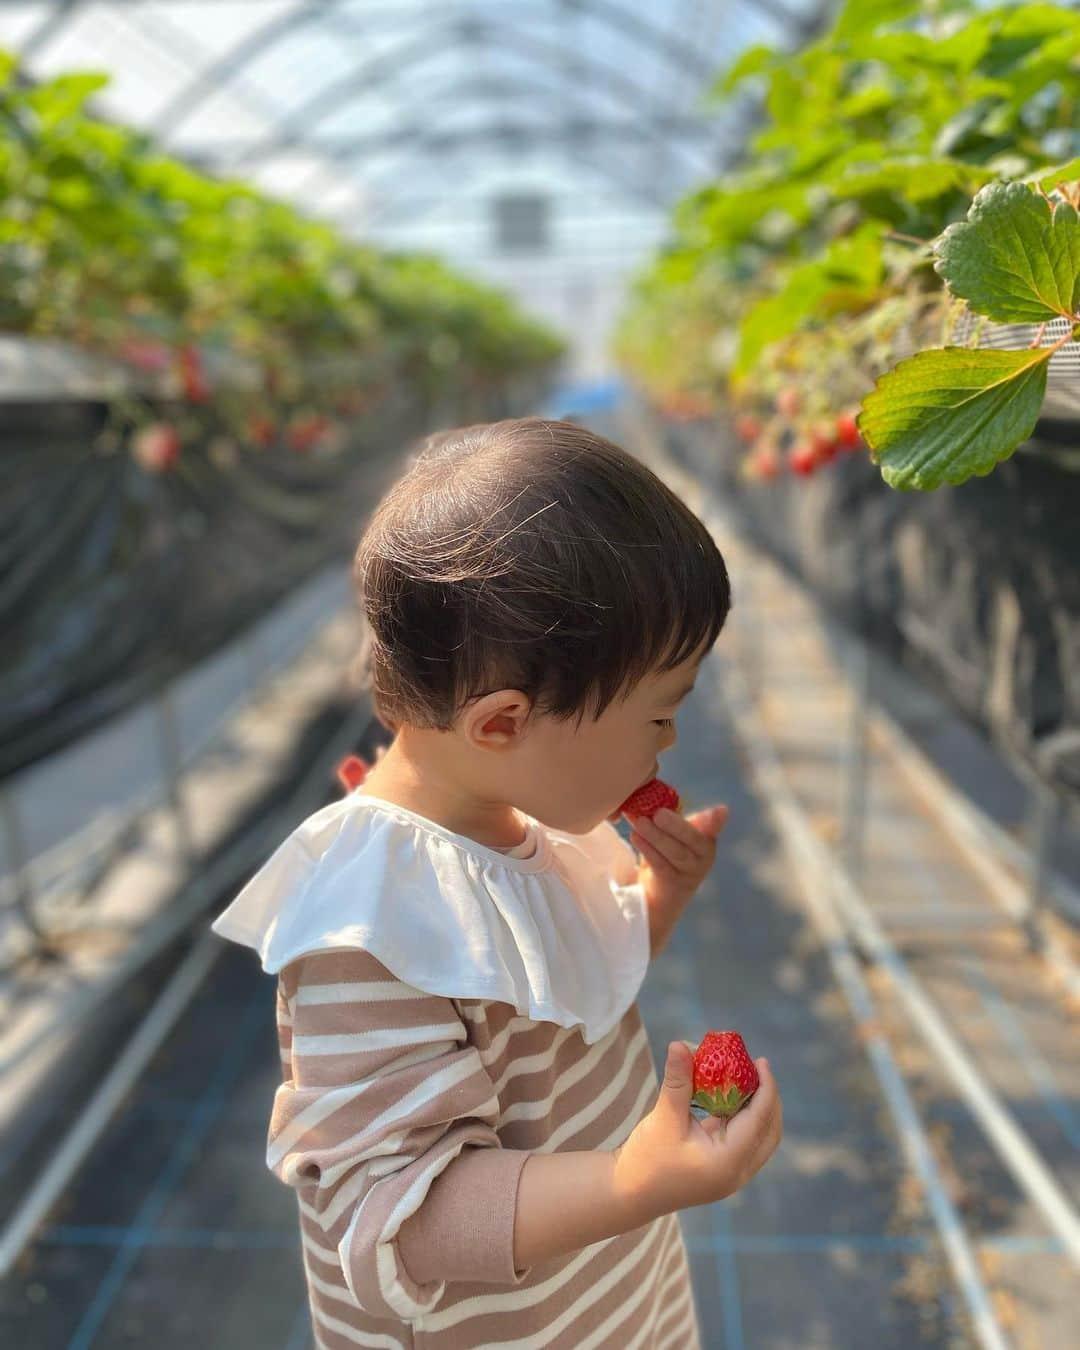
(174, 1232)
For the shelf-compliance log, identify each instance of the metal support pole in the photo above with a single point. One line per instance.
(1043, 814)
(250, 647)
(174, 770)
(856, 773)
(15, 843)
(749, 620)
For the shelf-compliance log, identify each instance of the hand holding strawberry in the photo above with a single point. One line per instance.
(671, 1160)
(677, 853)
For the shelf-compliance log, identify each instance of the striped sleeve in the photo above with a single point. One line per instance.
(385, 1125)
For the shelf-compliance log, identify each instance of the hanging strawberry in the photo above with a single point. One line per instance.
(260, 430)
(305, 432)
(847, 432)
(193, 375)
(156, 446)
(823, 442)
(146, 354)
(802, 458)
(764, 462)
(747, 427)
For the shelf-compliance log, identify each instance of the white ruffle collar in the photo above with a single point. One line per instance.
(562, 934)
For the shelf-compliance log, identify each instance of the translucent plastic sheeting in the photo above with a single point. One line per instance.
(380, 113)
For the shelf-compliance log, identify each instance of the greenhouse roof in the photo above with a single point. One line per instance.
(383, 115)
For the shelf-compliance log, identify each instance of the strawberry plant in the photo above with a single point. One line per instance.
(820, 263)
(944, 415)
(111, 245)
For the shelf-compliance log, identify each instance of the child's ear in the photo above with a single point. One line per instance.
(497, 718)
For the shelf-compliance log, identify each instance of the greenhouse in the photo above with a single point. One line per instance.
(414, 415)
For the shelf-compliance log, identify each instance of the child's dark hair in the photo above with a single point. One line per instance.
(535, 555)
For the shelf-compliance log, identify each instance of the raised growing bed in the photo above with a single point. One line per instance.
(978, 586)
(112, 577)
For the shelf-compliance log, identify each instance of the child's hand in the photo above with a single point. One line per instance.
(678, 853)
(673, 1161)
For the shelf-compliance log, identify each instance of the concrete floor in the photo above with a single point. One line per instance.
(175, 1233)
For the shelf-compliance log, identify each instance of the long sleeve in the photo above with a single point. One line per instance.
(385, 1125)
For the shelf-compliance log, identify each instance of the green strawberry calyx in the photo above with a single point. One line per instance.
(720, 1101)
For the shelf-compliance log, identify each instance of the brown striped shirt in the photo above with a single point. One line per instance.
(403, 1121)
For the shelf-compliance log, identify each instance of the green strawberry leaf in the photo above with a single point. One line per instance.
(1050, 178)
(859, 17)
(949, 414)
(1016, 258)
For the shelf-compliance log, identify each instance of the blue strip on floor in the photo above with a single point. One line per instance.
(1019, 1244)
(73, 1235)
(89, 1235)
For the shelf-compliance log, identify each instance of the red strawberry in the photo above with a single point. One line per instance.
(725, 1077)
(747, 427)
(261, 430)
(156, 446)
(146, 354)
(651, 797)
(767, 462)
(847, 431)
(351, 772)
(824, 442)
(763, 462)
(305, 432)
(193, 375)
(802, 459)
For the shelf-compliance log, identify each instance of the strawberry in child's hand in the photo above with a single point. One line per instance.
(725, 1077)
(351, 772)
(651, 797)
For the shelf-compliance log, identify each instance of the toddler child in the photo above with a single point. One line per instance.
(469, 1114)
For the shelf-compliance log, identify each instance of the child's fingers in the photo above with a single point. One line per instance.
(759, 1125)
(679, 828)
(654, 857)
(675, 850)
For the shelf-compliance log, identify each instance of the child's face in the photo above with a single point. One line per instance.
(494, 760)
(572, 779)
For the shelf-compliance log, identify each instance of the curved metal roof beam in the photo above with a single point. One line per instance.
(642, 31)
(654, 195)
(345, 146)
(51, 24)
(221, 71)
(644, 193)
(218, 73)
(355, 83)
